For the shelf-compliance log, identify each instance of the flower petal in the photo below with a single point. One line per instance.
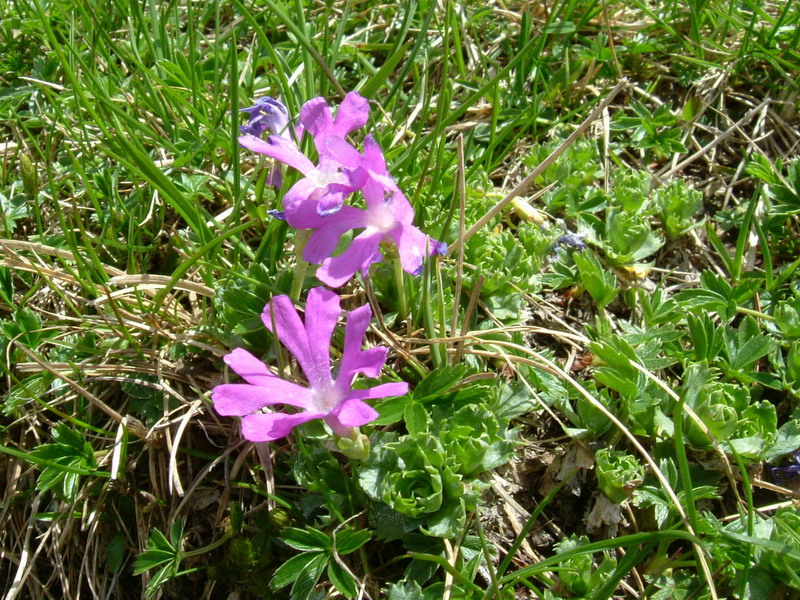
(330, 203)
(275, 177)
(324, 240)
(354, 360)
(401, 209)
(412, 246)
(385, 390)
(273, 426)
(300, 192)
(290, 330)
(322, 312)
(302, 214)
(354, 413)
(352, 114)
(315, 115)
(362, 252)
(279, 148)
(247, 366)
(374, 155)
(239, 399)
(343, 152)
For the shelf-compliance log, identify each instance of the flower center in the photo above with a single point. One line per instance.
(325, 399)
(381, 218)
(322, 179)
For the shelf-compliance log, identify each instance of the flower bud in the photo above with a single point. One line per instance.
(30, 181)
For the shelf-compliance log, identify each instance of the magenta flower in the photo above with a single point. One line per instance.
(387, 218)
(325, 184)
(328, 398)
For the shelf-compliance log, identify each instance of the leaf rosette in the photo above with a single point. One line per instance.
(415, 476)
(477, 440)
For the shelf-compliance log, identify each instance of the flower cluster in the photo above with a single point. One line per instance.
(317, 201)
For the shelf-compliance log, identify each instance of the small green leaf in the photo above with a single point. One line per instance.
(416, 418)
(599, 282)
(115, 552)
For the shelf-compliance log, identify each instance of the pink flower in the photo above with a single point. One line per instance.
(325, 184)
(387, 218)
(328, 398)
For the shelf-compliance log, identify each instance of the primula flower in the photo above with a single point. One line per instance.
(326, 397)
(325, 184)
(388, 217)
(267, 114)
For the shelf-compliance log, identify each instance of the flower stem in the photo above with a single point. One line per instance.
(400, 282)
(300, 240)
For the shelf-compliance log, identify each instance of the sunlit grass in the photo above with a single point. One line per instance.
(644, 300)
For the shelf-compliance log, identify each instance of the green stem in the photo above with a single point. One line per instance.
(300, 240)
(400, 282)
(227, 536)
(754, 313)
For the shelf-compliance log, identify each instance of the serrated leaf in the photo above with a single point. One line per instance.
(341, 580)
(391, 410)
(150, 559)
(416, 418)
(350, 540)
(68, 437)
(781, 549)
(304, 585)
(410, 590)
(440, 381)
(788, 440)
(289, 571)
(176, 533)
(69, 486)
(599, 282)
(306, 539)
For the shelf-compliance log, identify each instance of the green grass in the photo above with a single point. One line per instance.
(136, 250)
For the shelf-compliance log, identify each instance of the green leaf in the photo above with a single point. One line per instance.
(306, 539)
(391, 410)
(379, 79)
(409, 590)
(416, 418)
(150, 559)
(748, 345)
(341, 580)
(115, 552)
(159, 551)
(350, 540)
(774, 546)
(176, 533)
(440, 381)
(599, 282)
(788, 441)
(289, 571)
(307, 579)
